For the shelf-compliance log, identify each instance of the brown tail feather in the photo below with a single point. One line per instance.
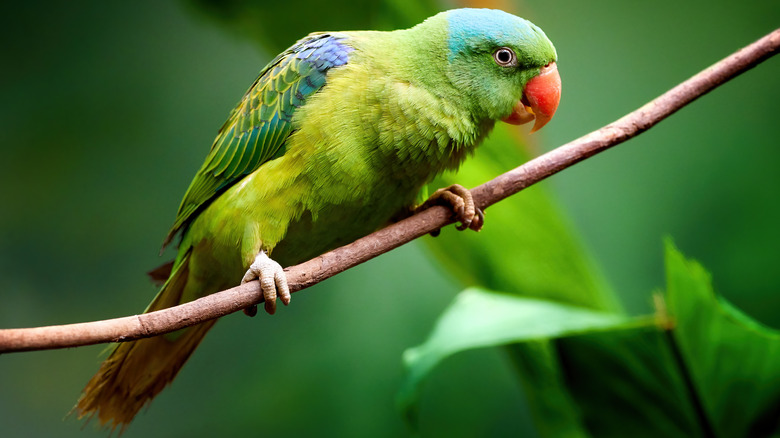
(133, 374)
(137, 371)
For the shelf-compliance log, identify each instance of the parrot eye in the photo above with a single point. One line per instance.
(505, 57)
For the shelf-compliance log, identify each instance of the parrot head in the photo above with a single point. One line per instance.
(505, 64)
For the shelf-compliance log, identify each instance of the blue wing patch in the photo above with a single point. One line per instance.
(259, 126)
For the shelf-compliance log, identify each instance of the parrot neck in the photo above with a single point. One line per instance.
(419, 56)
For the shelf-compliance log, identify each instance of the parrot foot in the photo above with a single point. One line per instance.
(272, 280)
(460, 200)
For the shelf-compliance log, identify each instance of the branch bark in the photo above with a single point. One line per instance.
(327, 265)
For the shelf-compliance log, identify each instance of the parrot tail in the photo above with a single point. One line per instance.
(136, 371)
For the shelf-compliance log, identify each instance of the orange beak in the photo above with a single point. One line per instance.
(540, 99)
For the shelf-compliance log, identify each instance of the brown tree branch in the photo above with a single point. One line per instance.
(313, 271)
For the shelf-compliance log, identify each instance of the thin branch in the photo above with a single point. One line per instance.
(327, 265)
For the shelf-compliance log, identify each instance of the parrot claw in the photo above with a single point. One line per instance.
(462, 203)
(272, 280)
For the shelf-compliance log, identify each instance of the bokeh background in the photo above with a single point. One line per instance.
(108, 108)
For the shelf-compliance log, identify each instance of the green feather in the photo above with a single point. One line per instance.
(256, 129)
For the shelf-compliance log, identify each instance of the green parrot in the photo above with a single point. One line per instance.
(336, 137)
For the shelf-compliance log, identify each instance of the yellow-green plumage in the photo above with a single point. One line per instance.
(317, 155)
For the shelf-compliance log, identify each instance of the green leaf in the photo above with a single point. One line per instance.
(714, 373)
(734, 361)
(625, 382)
(542, 377)
(479, 318)
(704, 370)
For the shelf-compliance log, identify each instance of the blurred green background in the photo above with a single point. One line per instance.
(107, 109)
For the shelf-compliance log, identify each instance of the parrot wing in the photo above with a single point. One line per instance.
(258, 127)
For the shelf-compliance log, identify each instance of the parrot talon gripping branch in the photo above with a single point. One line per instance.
(337, 136)
(460, 200)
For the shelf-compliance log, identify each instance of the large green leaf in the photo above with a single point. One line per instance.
(626, 382)
(706, 369)
(479, 318)
(734, 361)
